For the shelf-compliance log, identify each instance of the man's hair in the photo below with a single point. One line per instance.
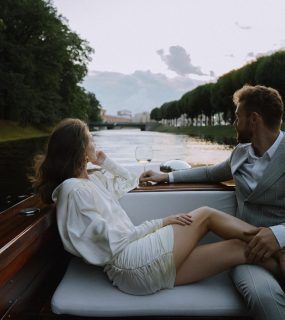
(265, 101)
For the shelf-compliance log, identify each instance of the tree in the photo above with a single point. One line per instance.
(94, 113)
(155, 114)
(270, 72)
(42, 63)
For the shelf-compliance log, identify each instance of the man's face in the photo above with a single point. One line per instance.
(242, 125)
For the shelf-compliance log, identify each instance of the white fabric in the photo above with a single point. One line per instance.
(279, 233)
(91, 221)
(86, 291)
(145, 265)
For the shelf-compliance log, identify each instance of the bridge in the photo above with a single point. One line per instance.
(110, 125)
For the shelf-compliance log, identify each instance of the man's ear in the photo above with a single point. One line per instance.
(255, 118)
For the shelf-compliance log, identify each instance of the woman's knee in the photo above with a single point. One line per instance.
(203, 213)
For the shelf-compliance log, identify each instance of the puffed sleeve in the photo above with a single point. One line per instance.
(121, 179)
(88, 231)
(145, 228)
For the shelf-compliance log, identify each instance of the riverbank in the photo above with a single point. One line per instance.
(218, 134)
(10, 130)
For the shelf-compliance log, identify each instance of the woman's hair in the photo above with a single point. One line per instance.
(65, 157)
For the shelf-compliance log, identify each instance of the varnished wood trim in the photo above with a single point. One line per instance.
(186, 187)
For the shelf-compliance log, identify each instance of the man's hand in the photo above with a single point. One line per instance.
(183, 219)
(262, 245)
(153, 176)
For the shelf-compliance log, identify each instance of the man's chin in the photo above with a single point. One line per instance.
(243, 139)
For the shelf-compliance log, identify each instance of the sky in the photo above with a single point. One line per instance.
(151, 51)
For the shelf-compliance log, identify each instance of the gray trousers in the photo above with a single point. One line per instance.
(262, 293)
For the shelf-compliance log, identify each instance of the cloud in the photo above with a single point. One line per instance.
(137, 92)
(242, 27)
(178, 60)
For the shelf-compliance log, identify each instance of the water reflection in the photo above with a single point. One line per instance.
(16, 157)
(121, 144)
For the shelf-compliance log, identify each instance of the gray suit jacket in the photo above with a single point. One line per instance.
(265, 205)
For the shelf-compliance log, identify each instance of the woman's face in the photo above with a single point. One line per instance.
(90, 150)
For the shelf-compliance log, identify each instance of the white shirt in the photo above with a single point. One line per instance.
(91, 222)
(253, 168)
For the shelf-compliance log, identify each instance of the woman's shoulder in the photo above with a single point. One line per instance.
(71, 187)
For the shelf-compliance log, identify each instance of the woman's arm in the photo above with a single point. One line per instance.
(85, 232)
(153, 225)
(119, 180)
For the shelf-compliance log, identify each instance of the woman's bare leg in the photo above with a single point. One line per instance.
(190, 259)
(206, 219)
(209, 259)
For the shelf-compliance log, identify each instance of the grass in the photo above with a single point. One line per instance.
(10, 130)
(219, 134)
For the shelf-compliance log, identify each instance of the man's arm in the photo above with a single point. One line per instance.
(216, 173)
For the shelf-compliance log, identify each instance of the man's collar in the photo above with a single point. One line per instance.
(275, 145)
(270, 152)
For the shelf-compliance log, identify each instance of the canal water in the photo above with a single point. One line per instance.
(16, 157)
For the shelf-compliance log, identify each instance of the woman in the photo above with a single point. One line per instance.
(140, 259)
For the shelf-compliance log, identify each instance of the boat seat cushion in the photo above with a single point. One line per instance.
(86, 291)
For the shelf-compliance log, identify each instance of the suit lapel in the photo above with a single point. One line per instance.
(239, 158)
(274, 170)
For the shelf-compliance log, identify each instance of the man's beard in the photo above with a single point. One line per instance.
(244, 136)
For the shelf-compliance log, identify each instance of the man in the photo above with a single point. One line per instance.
(257, 166)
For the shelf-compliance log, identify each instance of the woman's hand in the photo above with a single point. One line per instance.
(183, 219)
(100, 157)
(97, 157)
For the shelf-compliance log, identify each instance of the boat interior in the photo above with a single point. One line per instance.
(39, 280)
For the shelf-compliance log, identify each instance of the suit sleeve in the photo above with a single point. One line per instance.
(216, 173)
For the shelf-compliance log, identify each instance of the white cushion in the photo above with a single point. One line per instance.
(141, 206)
(86, 291)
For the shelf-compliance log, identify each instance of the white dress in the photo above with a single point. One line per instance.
(93, 225)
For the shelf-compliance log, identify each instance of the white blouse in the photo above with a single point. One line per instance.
(91, 222)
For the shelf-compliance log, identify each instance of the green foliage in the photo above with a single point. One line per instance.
(95, 108)
(42, 63)
(156, 114)
(212, 98)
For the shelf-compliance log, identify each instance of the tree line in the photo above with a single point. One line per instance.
(42, 63)
(215, 99)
